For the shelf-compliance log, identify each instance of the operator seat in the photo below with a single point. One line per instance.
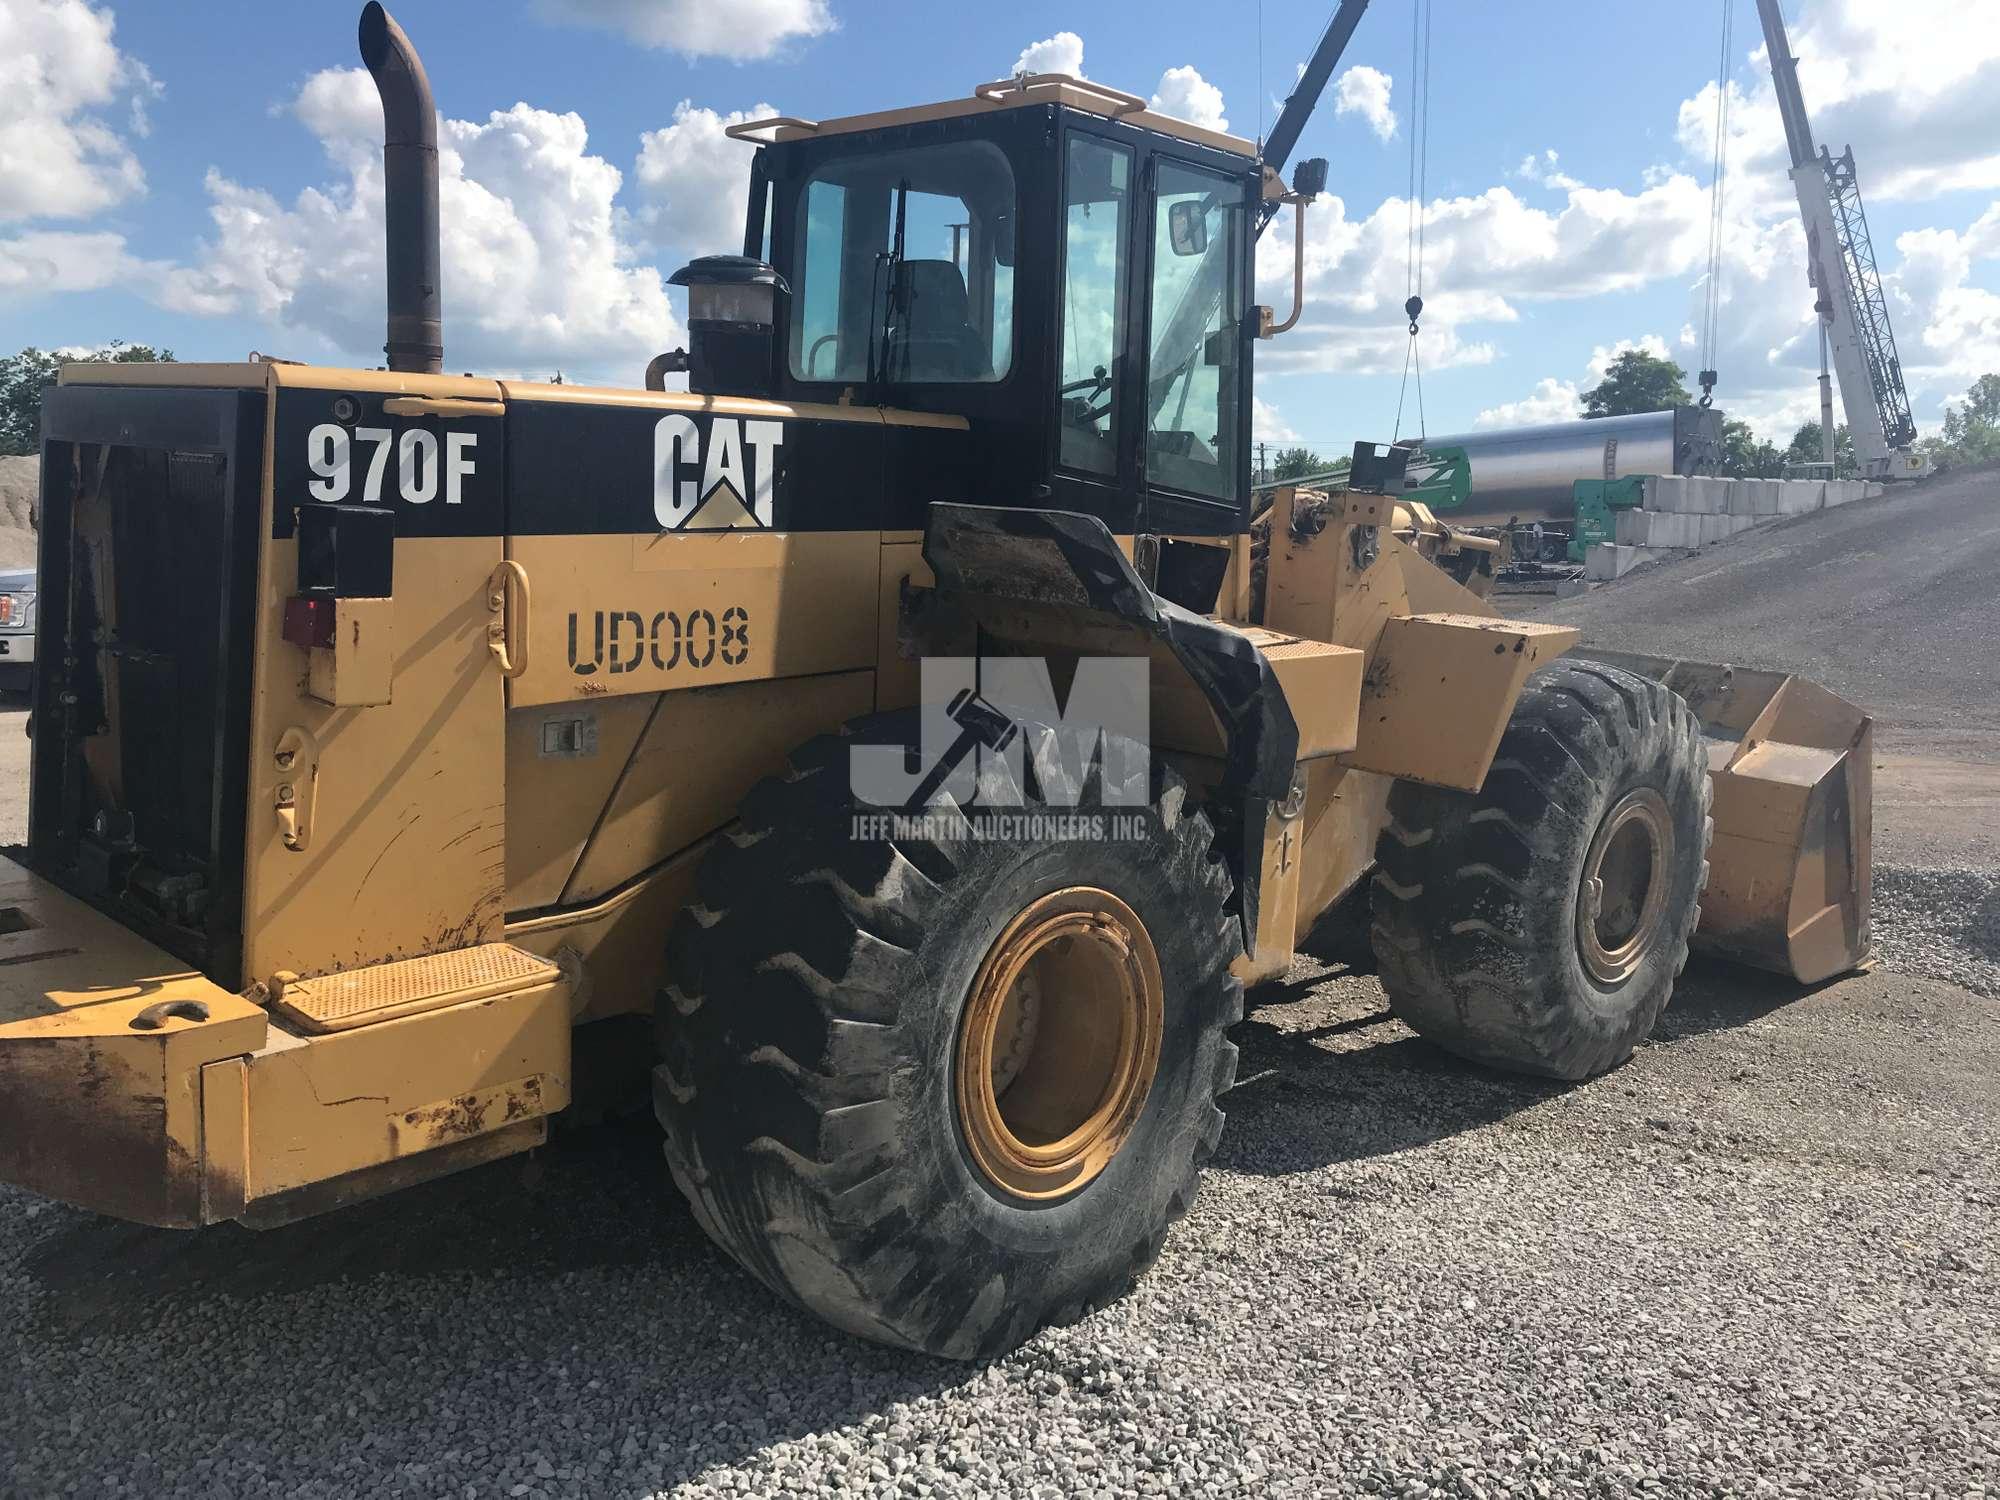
(939, 340)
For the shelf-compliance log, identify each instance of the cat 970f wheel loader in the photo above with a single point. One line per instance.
(904, 743)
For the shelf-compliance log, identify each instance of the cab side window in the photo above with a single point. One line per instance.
(1097, 209)
(1194, 378)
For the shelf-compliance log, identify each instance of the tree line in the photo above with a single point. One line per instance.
(24, 376)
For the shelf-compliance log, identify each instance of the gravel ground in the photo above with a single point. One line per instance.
(1763, 1254)
(1941, 923)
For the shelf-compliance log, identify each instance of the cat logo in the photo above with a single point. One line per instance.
(719, 484)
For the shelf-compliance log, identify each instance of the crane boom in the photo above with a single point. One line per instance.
(1840, 264)
(1300, 103)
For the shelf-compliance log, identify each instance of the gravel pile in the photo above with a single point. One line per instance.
(1763, 1256)
(20, 483)
(1943, 923)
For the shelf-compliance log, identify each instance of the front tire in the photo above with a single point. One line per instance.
(1538, 925)
(942, 1090)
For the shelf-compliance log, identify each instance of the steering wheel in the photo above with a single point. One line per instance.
(1097, 381)
(1082, 410)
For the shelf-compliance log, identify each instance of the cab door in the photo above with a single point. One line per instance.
(1196, 400)
(1098, 384)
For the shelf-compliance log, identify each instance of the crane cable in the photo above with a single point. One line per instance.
(1712, 299)
(1419, 192)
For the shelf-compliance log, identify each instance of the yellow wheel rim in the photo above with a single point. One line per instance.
(1059, 1043)
(1624, 891)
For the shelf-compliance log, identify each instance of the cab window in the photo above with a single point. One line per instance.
(905, 268)
(1097, 208)
(1194, 387)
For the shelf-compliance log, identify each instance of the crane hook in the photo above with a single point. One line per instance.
(1413, 309)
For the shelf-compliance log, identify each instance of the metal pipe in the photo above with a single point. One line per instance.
(1298, 273)
(1530, 473)
(410, 206)
(673, 362)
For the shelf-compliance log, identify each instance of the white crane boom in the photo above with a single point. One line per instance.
(1840, 263)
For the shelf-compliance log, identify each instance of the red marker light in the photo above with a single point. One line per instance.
(309, 620)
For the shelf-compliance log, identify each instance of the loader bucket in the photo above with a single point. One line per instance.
(1793, 772)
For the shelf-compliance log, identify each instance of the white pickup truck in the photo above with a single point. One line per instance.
(17, 630)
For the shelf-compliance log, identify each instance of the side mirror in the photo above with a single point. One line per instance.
(1187, 227)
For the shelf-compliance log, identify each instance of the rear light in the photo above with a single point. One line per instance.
(309, 620)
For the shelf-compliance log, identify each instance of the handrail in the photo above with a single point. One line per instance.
(990, 92)
(441, 406)
(508, 581)
(746, 130)
(1298, 272)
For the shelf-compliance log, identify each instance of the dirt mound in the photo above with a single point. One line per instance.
(20, 482)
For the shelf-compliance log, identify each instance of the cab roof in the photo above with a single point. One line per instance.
(1020, 92)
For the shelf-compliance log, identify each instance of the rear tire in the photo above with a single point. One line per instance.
(823, 991)
(1492, 940)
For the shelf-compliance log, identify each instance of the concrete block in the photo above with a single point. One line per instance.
(1569, 588)
(1664, 492)
(1657, 528)
(1606, 561)
(1742, 497)
(1768, 494)
(1691, 499)
(1873, 491)
(1796, 496)
(1716, 528)
(1744, 523)
(1714, 492)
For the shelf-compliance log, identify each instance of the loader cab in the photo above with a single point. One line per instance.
(1049, 260)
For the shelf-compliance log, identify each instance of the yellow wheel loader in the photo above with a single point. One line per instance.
(899, 748)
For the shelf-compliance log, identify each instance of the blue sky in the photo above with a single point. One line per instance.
(226, 197)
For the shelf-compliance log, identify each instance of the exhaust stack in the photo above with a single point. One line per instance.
(410, 171)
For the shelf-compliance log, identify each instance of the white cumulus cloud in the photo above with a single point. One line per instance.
(1364, 91)
(1186, 95)
(693, 181)
(60, 70)
(1487, 255)
(1268, 424)
(1551, 400)
(42, 261)
(537, 270)
(1061, 53)
(740, 30)
(1545, 170)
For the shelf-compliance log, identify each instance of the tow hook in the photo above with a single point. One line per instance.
(153, 1017)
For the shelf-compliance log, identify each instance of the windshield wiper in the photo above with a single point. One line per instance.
(893, 304)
